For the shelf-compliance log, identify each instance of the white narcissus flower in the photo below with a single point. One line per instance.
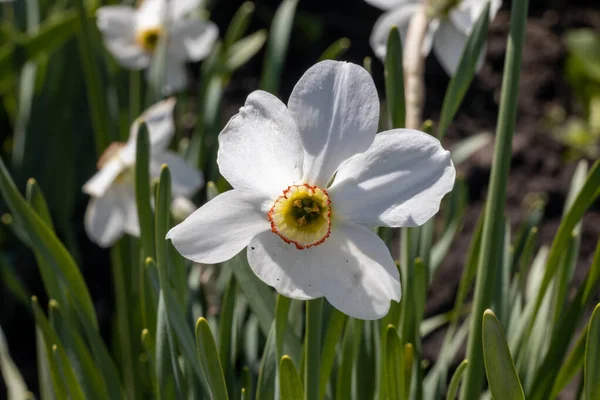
(132, 34)
(448, 31)
(308, 237)
(112, 209)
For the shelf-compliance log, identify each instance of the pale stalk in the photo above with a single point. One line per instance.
(414, 68)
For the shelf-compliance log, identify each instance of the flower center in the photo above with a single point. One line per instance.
(302, 216)
(148, 38)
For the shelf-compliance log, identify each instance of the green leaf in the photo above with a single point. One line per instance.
(209, 360)
(142, 191)
(337, 320)
(262, 302)
(52, 34)
(226, 326)
(243, 50)
(343, 387)
(289, 381)
(57, 352)
(571, 366)
(312, 347)
(96, 94)
(267, 374)
(336, 50)
(585, 45)
(394, 80)
(394, 365)
(499, 367)
(279, 38)
(491, 240)
(588, 193)
(457, 88)
(592, 358)
(86, 371)
(47, 245)
(239, 24)
(455, 381)
(281, 317)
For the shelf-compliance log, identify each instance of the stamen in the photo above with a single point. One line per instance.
(302, 216)
(148, 38)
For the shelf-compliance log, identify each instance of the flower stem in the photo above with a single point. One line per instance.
(312, 348)
(414, 68)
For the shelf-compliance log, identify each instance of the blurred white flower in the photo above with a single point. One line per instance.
(112, 209)
(305, 237)
(449, 28)
(132, 34)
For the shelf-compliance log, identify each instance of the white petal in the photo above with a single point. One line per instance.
(260, 148)
(336, 109)
(353, 269)
(150, 14)
(131, 223)
(185, 179)
(104, 220)
(222, 227)
(282, 266)
(399, 17)
(175, 76)
(180, 8)
(399, 181)
(192, 39)
(390, 4)
(467, 12)
(360, 277)
(448, 47)
(161, 127)
(117, 24)
(101, 181)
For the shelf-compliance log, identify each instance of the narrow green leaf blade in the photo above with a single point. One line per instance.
(142, 191)
(47, 244)
(209, 360)
(455, 381)
(336, 50)
(394, 365)
(592, 358)
(394, 80)
(279, 38)
(289, 381)
(500, 369)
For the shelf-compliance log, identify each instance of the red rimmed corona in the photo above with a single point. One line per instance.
(302, 216)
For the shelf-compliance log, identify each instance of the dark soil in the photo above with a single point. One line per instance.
(538, 163)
